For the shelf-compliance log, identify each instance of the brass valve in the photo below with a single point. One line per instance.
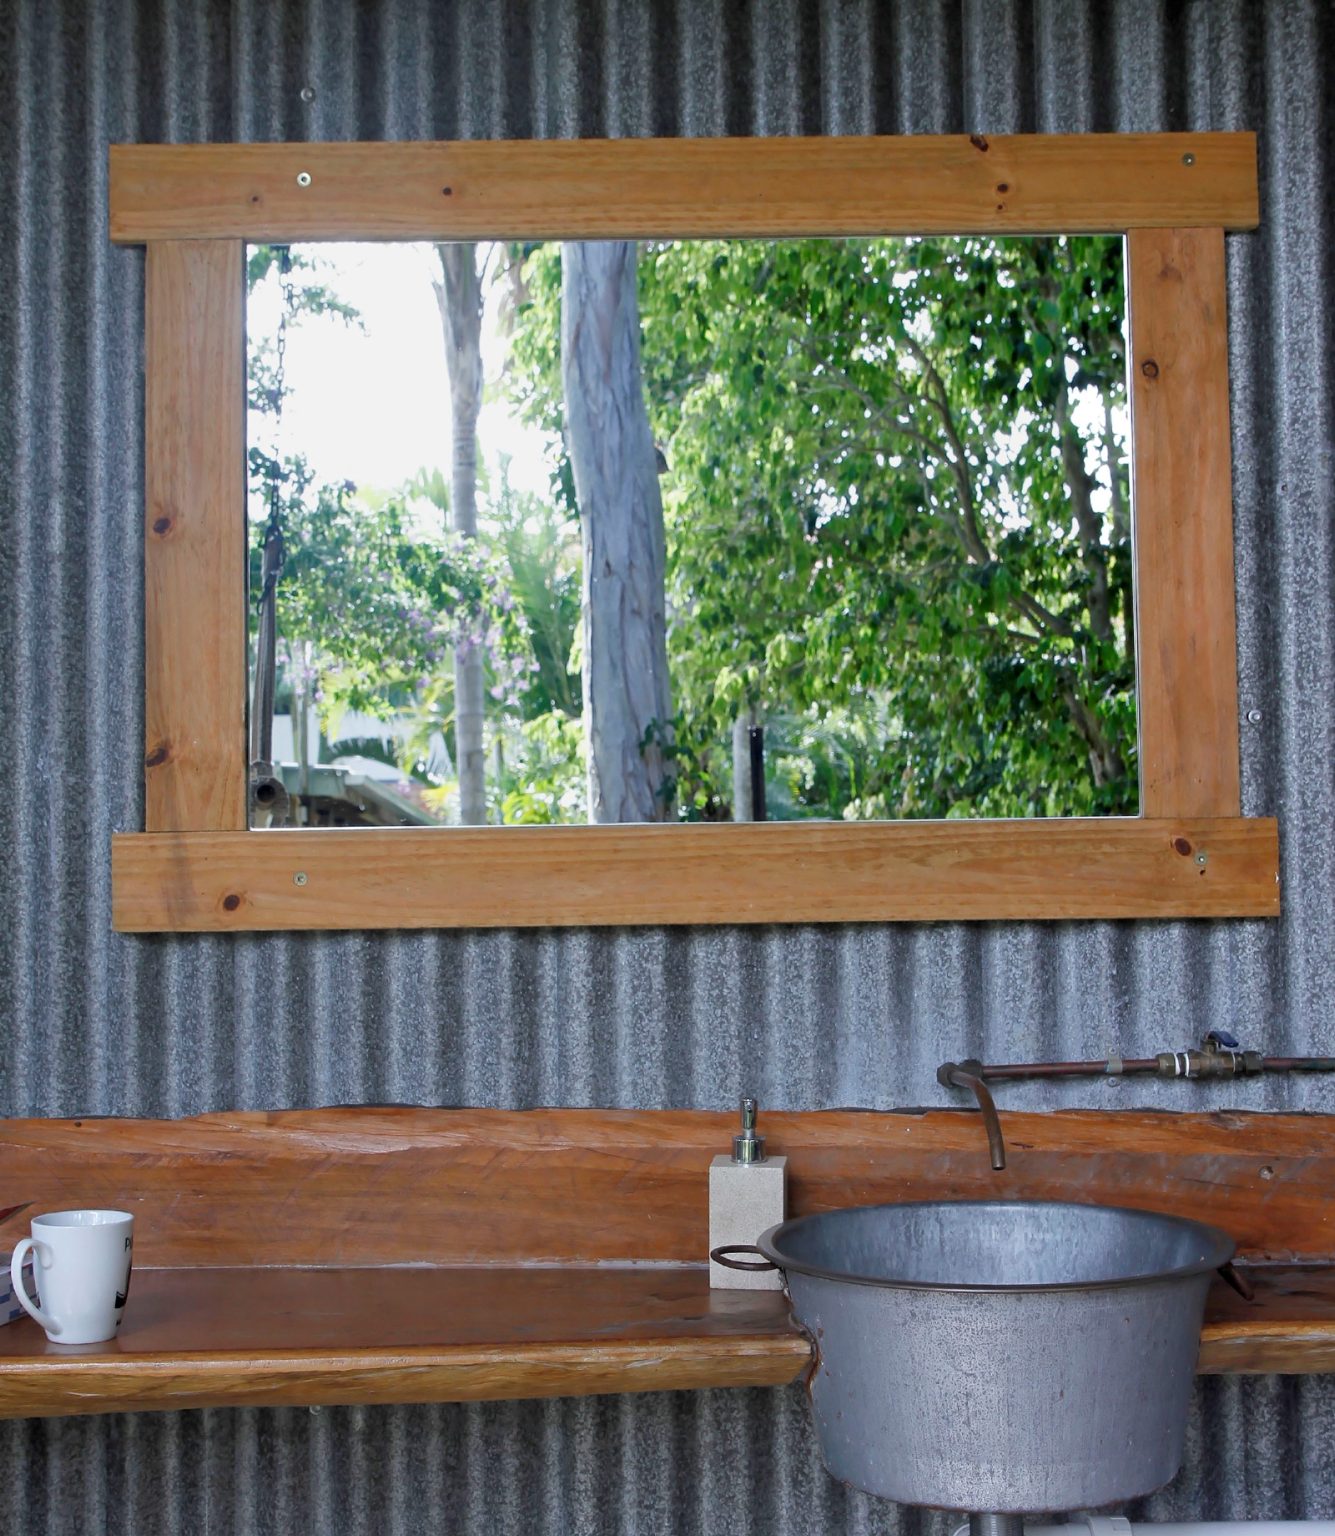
(1217, 1057)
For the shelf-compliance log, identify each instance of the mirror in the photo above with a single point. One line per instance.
(697, 530)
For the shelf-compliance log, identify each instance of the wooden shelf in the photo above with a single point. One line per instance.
(197, 1338)
(384, 1255)
(208, 1338)
(1289, 1329)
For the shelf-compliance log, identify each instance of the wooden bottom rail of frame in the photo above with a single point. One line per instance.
(759, 872)
(201, 1338)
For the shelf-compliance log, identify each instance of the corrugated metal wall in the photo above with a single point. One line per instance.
(805, 1017)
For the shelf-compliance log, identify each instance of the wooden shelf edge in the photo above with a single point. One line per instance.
(776, 872)
(49, 1386)
(1267, 1349)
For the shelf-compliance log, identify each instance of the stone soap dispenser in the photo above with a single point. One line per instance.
(747, 1196)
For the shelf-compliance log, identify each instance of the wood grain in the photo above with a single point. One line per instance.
(358, 1186)
(386, 1255)
(197, 1338)
(518, 877)
(205, 1338)
(194, 538)
(609, 188)
(1289, 1328)
(195, 623)
(1186, 637)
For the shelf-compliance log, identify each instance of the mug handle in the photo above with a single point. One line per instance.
(21, 1249)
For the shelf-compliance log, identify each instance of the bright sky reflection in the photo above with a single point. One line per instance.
(373, 406)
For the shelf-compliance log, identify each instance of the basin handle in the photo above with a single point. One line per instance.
(720, 1256)
(1227, 1272)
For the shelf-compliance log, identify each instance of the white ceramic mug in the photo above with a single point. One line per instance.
(81, 1266)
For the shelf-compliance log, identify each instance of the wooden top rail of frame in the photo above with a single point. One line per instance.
(625, 188)
(368, 1255)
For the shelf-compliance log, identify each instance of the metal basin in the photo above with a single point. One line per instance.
(1019, 1357)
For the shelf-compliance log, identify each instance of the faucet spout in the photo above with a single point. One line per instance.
(951, 1074)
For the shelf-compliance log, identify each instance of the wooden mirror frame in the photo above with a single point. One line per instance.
(197, 866)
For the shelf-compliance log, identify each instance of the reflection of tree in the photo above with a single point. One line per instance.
(897, 489)
(376, 598)
(897, 496)
(459, 298)
(384, 603)
(627, 699)
(539, 551)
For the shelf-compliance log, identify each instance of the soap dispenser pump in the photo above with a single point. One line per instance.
(747, 1196)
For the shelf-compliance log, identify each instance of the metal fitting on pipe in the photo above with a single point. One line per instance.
(1210, 1062)
(996, 1525)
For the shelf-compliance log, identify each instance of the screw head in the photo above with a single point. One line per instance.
(1254, 717)
(1188, 158)
(303, 178)
(1202, 859)
(299, 878)
(308, 93)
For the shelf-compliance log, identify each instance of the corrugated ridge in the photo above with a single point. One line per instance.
(660, 1463)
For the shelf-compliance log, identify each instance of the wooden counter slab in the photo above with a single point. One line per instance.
(195, 1338)
(382, 1255)
(233, 1337)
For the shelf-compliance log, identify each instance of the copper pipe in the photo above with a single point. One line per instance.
(1224, 1064)
(952, 1074)
(1035, 1069)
